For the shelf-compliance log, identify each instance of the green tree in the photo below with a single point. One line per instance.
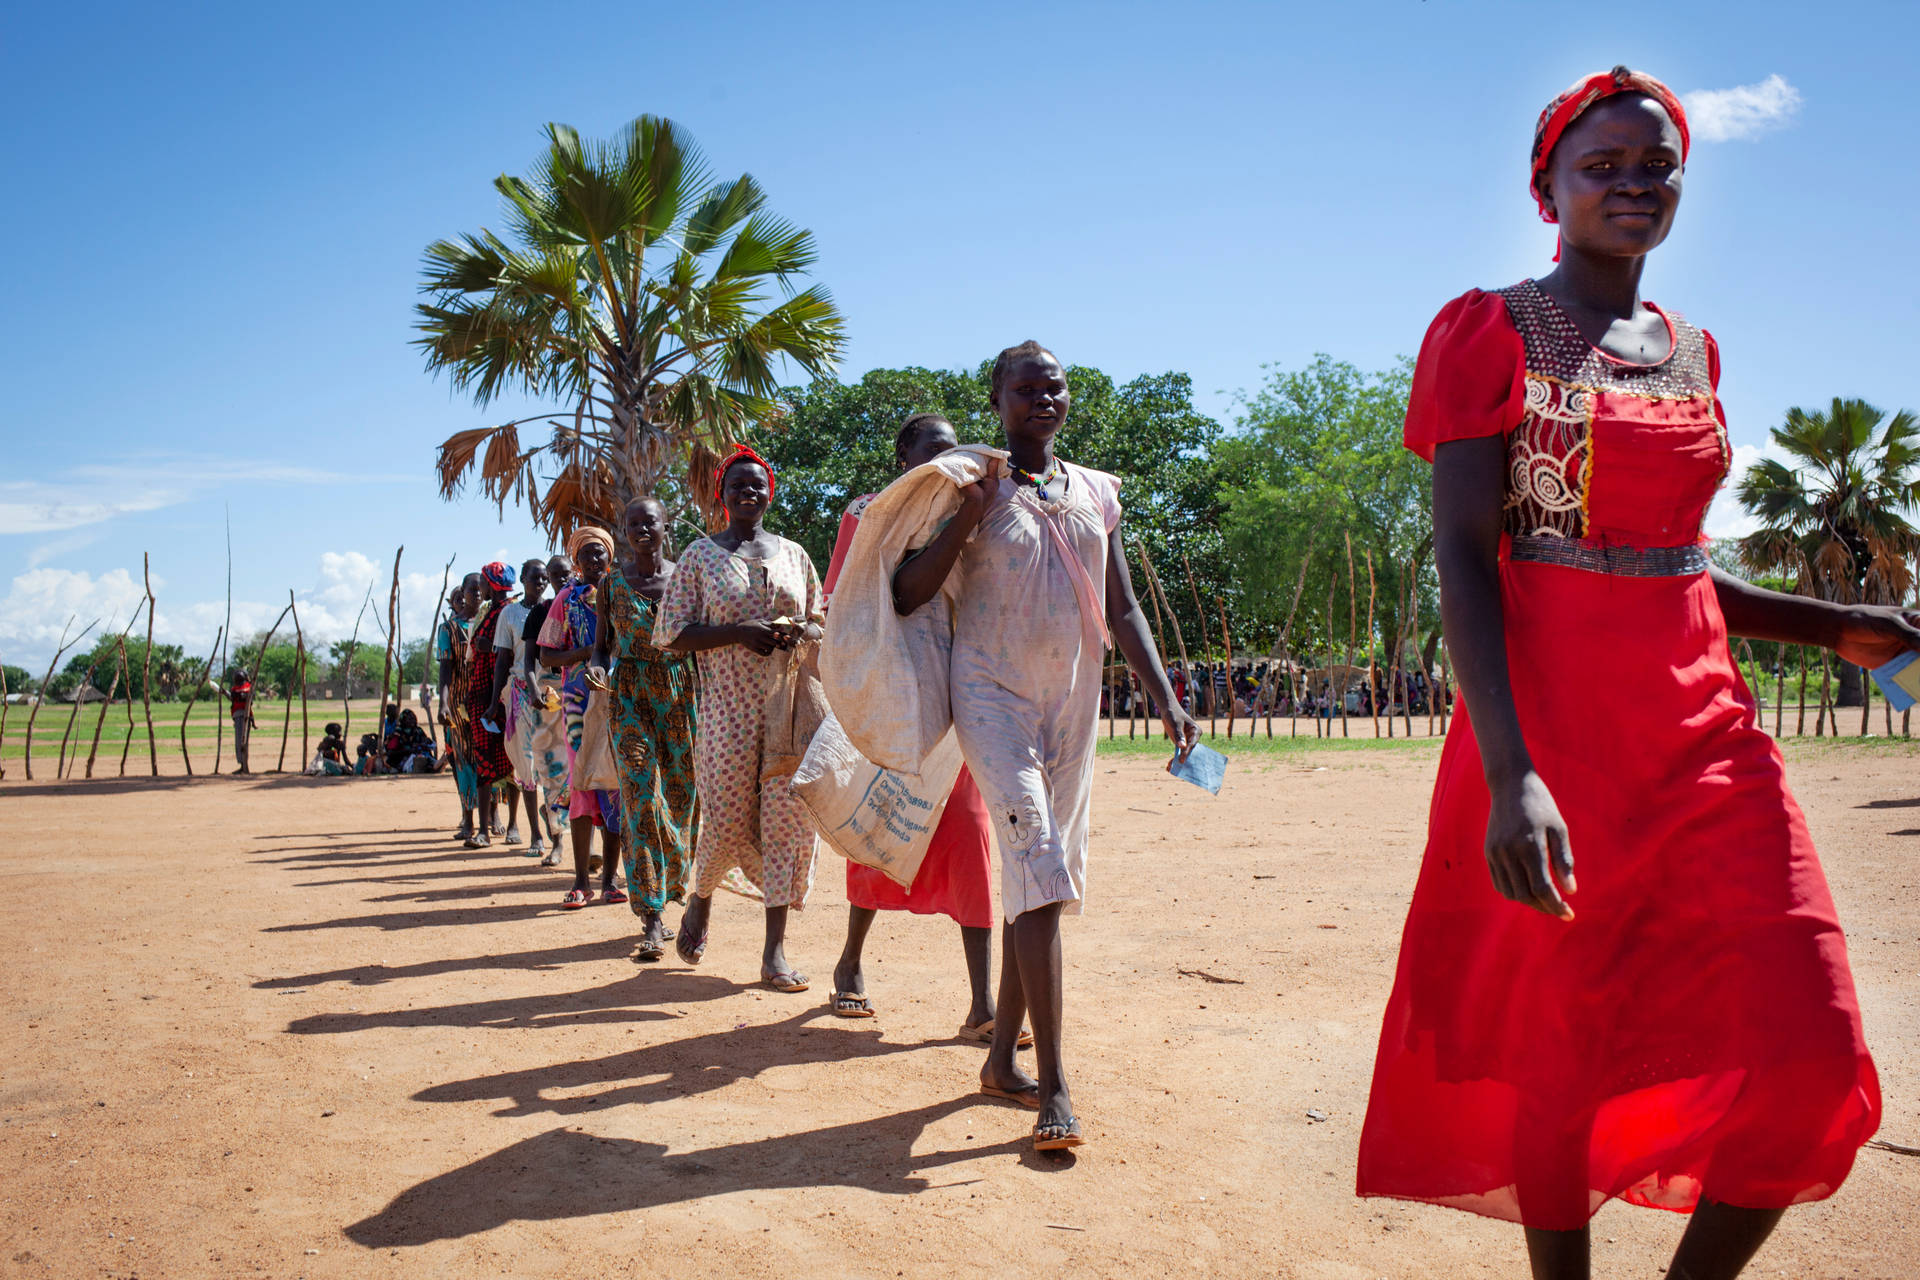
(1835, 519)
(1314, 458)
(20, 680)
(635, 294)
(834, 442)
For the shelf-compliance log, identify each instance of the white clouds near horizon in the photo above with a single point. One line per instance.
(1742, 113)
(95, 493)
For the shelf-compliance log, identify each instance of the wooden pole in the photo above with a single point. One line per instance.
(300, 650)
(4, 704)
(1153, 581)
(1206, 647)
(41, 697)
(1133, 705)
(1353, 627)
(253, 677)
(1446, 686)
(93, 749)
(225, 632)
(1226, 643)
(1820, 717)
(346, 693)
(1410, 647)
(286, 710)
(433, 639)
(146, 670)
(60, 764)
(1780, 688)
(1373, 699)
(393, 636)
(1866, 703)
(194, 697)
(1325, 715)
(1113, 703)
(1800, 727)
(1286, 648)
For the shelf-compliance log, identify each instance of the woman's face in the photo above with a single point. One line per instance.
(646, 525)
(559, 569)
(1614, 178)
(1033, 399)
(592, 562)
(471, 588)
(929, 442)
(533, 579)
(745, 492)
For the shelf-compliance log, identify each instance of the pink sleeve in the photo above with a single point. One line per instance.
(848, 523)
(1470, 380)
(553, 632)
(1110, 501)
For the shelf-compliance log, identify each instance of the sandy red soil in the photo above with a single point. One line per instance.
(288, 1027)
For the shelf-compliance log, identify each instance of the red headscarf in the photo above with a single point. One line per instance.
(1568, 107)
(741, 453)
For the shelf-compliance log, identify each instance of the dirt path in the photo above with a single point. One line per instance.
(287, 1027)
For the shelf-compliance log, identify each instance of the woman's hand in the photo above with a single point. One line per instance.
(975, 498)
(1182, 728)
(1527, 847)
(1871, 637)
(762, 637)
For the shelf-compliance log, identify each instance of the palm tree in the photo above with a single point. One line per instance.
(632, 294)
(1835, 519)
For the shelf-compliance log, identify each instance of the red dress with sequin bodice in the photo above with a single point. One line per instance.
(1694, 1030)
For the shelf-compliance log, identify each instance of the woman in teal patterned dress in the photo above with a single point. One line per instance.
(653, 725)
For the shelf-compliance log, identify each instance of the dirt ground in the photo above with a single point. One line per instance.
(287, 1027)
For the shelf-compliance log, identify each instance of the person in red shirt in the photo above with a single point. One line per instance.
(240, 707)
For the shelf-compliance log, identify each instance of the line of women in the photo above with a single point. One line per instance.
(1688, 1039)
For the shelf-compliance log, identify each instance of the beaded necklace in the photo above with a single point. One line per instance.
(1039, 482)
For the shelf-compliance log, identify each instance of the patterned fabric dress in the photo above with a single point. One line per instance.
(760, 833)
(572, 623)
(1693, 1031)
(653, 737)
(450, 644)
(547, 732)
(493, 768)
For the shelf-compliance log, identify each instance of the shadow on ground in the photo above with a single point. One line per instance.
(565, 1173)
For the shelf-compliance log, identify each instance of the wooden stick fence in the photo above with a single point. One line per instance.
(194, 697)
(146, 667)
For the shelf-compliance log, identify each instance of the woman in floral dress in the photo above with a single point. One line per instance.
(653, 726)
(566, 641)
(735, 597)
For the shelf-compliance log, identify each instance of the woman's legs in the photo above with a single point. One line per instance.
(1720, 1241)
(1001, 1071)
(582, 852)
(847, 978)
(773, 957)
(1559, 1255)
(513, 813)
(610, 848)
(977, 943)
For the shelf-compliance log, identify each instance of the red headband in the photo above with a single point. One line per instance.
(1568, 107)
(741, 453)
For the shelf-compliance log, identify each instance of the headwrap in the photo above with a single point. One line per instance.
(498, 576)
(582, 535)
(741, 453)
(1573, 102)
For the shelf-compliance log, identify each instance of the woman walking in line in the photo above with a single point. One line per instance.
(653, 726)
(1678, 1028)
(566, 641)
(735, 597)
(547, 736)
(450, 653)
(492, 768)
(1040, 582)
(955, 878)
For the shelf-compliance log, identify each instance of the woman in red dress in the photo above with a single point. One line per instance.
(1679, 1029)
(956, 877)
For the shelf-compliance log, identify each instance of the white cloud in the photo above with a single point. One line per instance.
(38, 602)
(95, 493)
(1743, 112)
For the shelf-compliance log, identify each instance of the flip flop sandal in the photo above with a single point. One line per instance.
(1062, 1135)
(1028, 1098)
(650, 950)
(690, 949)
(552, 859)
(512, 836)
(790, 983)
(983, 1034)
(613, 895)
(478, 842)
(576, 899)
(533, 850)
(848, 1005)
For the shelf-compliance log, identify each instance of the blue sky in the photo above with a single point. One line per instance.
(217, 215)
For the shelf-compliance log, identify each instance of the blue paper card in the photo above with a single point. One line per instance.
(1899, 680)
(1203, 767)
